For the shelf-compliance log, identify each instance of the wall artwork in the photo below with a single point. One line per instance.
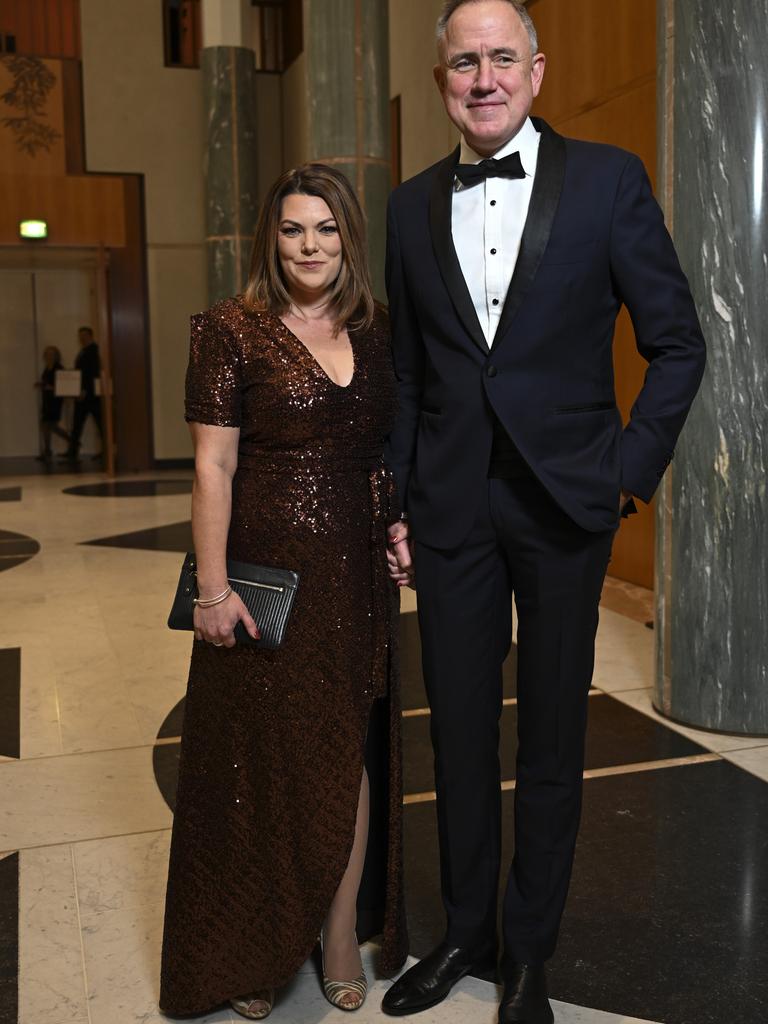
(27, 97)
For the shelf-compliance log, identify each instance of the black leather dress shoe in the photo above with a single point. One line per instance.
(429, 981)
(525, 995)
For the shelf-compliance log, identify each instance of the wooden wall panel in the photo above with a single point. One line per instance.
(43, 28)
(86, 210)
(595, 49)
(600, 85)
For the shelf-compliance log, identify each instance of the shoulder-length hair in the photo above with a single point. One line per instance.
(351, 299)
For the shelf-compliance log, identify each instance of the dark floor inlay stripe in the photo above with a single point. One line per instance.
(616, 735)
(10, 494)
(9, 938)
(10, 702)
(131, 488)
(173, 537)
(16, 548)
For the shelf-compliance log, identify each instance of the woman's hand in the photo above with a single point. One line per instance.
(400, 556)
(216, 625)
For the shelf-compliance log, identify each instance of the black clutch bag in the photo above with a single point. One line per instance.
(267, 593)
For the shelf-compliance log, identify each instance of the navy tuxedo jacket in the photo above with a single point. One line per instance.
(594, 239)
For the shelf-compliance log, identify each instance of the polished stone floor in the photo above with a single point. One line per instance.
(668, 911)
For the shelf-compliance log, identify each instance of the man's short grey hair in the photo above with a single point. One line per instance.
(451, 6)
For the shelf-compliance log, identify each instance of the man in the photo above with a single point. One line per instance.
(507, 265)
(88, 362)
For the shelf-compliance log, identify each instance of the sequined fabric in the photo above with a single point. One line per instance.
(273, 741)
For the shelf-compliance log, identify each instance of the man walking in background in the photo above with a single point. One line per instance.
(507, 265)
(88, 403)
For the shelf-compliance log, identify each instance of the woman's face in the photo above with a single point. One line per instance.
(308, 245)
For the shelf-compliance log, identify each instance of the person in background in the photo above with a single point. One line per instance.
(88, 403)
(50, 412)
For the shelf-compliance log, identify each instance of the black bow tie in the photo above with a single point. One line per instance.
(508, 167)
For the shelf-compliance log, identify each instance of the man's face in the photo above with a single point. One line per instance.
(488, 76)
(85, 338)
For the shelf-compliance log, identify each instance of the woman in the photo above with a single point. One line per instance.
(290, 394)
(50, 412)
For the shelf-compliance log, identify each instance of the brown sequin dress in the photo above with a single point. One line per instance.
(274, 742)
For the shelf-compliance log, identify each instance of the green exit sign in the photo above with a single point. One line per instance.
(33, 229)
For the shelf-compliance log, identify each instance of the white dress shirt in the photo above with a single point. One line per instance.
(487, 225)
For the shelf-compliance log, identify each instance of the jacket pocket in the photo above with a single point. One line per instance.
(593, 407)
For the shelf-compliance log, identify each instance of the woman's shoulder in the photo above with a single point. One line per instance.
(231, 315)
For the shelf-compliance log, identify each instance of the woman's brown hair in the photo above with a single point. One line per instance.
(351, 300)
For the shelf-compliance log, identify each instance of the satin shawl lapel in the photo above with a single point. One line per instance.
(547, 186)
(440, 216)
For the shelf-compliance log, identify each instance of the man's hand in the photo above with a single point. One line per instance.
(400, 556)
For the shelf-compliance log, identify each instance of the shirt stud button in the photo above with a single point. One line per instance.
(493, 252)
(495, 302)
(493, 202)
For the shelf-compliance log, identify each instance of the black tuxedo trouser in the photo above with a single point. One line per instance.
(522, 544)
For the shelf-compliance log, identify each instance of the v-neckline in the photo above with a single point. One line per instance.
(316, 361)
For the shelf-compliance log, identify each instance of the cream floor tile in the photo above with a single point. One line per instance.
(40, 732)
(122, 960)
(624, 653)
(153, 695)
(53, 800)
(754, 760)
(95, 710)
(51, 981)
(121, 873)
(641, 700)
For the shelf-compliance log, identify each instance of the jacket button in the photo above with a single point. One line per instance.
(491, 371)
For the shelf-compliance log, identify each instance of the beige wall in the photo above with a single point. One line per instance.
(143, 117)
(427, 134)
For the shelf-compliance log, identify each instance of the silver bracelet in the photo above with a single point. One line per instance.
(210, 602)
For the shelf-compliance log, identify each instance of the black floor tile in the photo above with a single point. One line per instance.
(174, 537)
(165, 762)
(668, 909)
(15, 549)
(414, 694)
(9, 938)
(130, 488)
(10, 699)
(10, 494)
(616, 735)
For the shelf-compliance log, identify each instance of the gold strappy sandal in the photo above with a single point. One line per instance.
(346, 995)
(255, 1006)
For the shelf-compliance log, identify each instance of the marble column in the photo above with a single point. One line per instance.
(712, 569)
(231, 173)
(346, 43)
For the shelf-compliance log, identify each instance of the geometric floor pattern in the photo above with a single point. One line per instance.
(668, 908)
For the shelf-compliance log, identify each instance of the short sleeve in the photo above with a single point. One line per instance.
(214, 381)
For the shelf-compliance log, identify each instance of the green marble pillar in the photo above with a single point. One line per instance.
(231, 193)
(347, 47)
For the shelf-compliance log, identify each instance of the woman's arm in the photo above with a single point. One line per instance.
(215, 465)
